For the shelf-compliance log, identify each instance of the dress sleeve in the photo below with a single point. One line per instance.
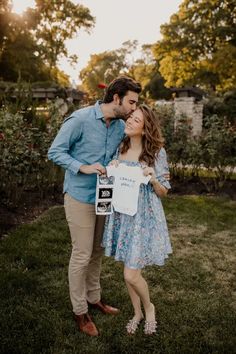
(161, 168)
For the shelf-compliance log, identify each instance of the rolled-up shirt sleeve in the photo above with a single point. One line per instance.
(161, 168)
(60, 150)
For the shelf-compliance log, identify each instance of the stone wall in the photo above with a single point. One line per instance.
(188, 107)
(192, 110)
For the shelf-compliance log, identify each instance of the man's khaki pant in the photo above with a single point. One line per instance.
(86, 230)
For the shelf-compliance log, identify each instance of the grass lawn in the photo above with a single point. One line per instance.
(194, 293)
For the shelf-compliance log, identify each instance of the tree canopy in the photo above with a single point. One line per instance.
(199, 45)
(104, 67)
(31, 44)
(101, 68)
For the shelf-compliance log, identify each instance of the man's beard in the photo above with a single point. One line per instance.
(123, 116)
(119, 114)
(127, 115)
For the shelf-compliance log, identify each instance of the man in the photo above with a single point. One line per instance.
(85, 144)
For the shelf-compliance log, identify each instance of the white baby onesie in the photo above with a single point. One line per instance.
(126, 187)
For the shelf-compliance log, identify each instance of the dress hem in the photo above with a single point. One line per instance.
(139, 267)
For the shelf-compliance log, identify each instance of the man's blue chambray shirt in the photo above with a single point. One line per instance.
(84, 139)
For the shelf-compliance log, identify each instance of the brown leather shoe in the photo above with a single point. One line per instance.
(86, 325)
(105, 308)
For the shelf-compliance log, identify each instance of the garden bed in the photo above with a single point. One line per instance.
(30, 206)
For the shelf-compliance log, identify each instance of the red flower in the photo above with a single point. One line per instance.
(2, 136)
(102, 85)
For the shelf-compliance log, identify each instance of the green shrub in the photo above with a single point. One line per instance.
(218, 149)
(24, 142)
(213, 154)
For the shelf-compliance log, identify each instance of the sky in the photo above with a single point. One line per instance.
(117, 21)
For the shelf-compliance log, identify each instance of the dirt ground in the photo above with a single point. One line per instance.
(33, 205)
(30, 206)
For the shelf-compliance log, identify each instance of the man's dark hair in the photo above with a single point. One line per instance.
(121, 86)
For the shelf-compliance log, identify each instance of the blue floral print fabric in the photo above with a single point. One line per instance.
(142, 239)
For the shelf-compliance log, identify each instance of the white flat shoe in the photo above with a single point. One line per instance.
(132, 326)
(150, 327)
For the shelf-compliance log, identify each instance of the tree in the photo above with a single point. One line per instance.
(146, 71)
(19, 55)
(59, 21)
(4, 18)
(155, 88)
(195, 43)
(141, 69)
(31, 44)
(104, 67)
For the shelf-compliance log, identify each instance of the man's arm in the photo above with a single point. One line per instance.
(59, 151)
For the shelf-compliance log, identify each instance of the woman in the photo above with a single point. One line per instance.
(141, 239)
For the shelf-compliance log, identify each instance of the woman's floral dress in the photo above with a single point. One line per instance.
(142, 239)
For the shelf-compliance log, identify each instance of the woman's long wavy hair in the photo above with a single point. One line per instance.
(152, 139)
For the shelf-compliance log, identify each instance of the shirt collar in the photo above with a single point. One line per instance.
(98, 111)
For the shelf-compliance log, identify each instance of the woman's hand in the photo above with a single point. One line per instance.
(114, 163)
(167, 176)
(159, 189)
(149, 171)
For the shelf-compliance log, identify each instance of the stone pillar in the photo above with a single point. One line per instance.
(192, 109)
